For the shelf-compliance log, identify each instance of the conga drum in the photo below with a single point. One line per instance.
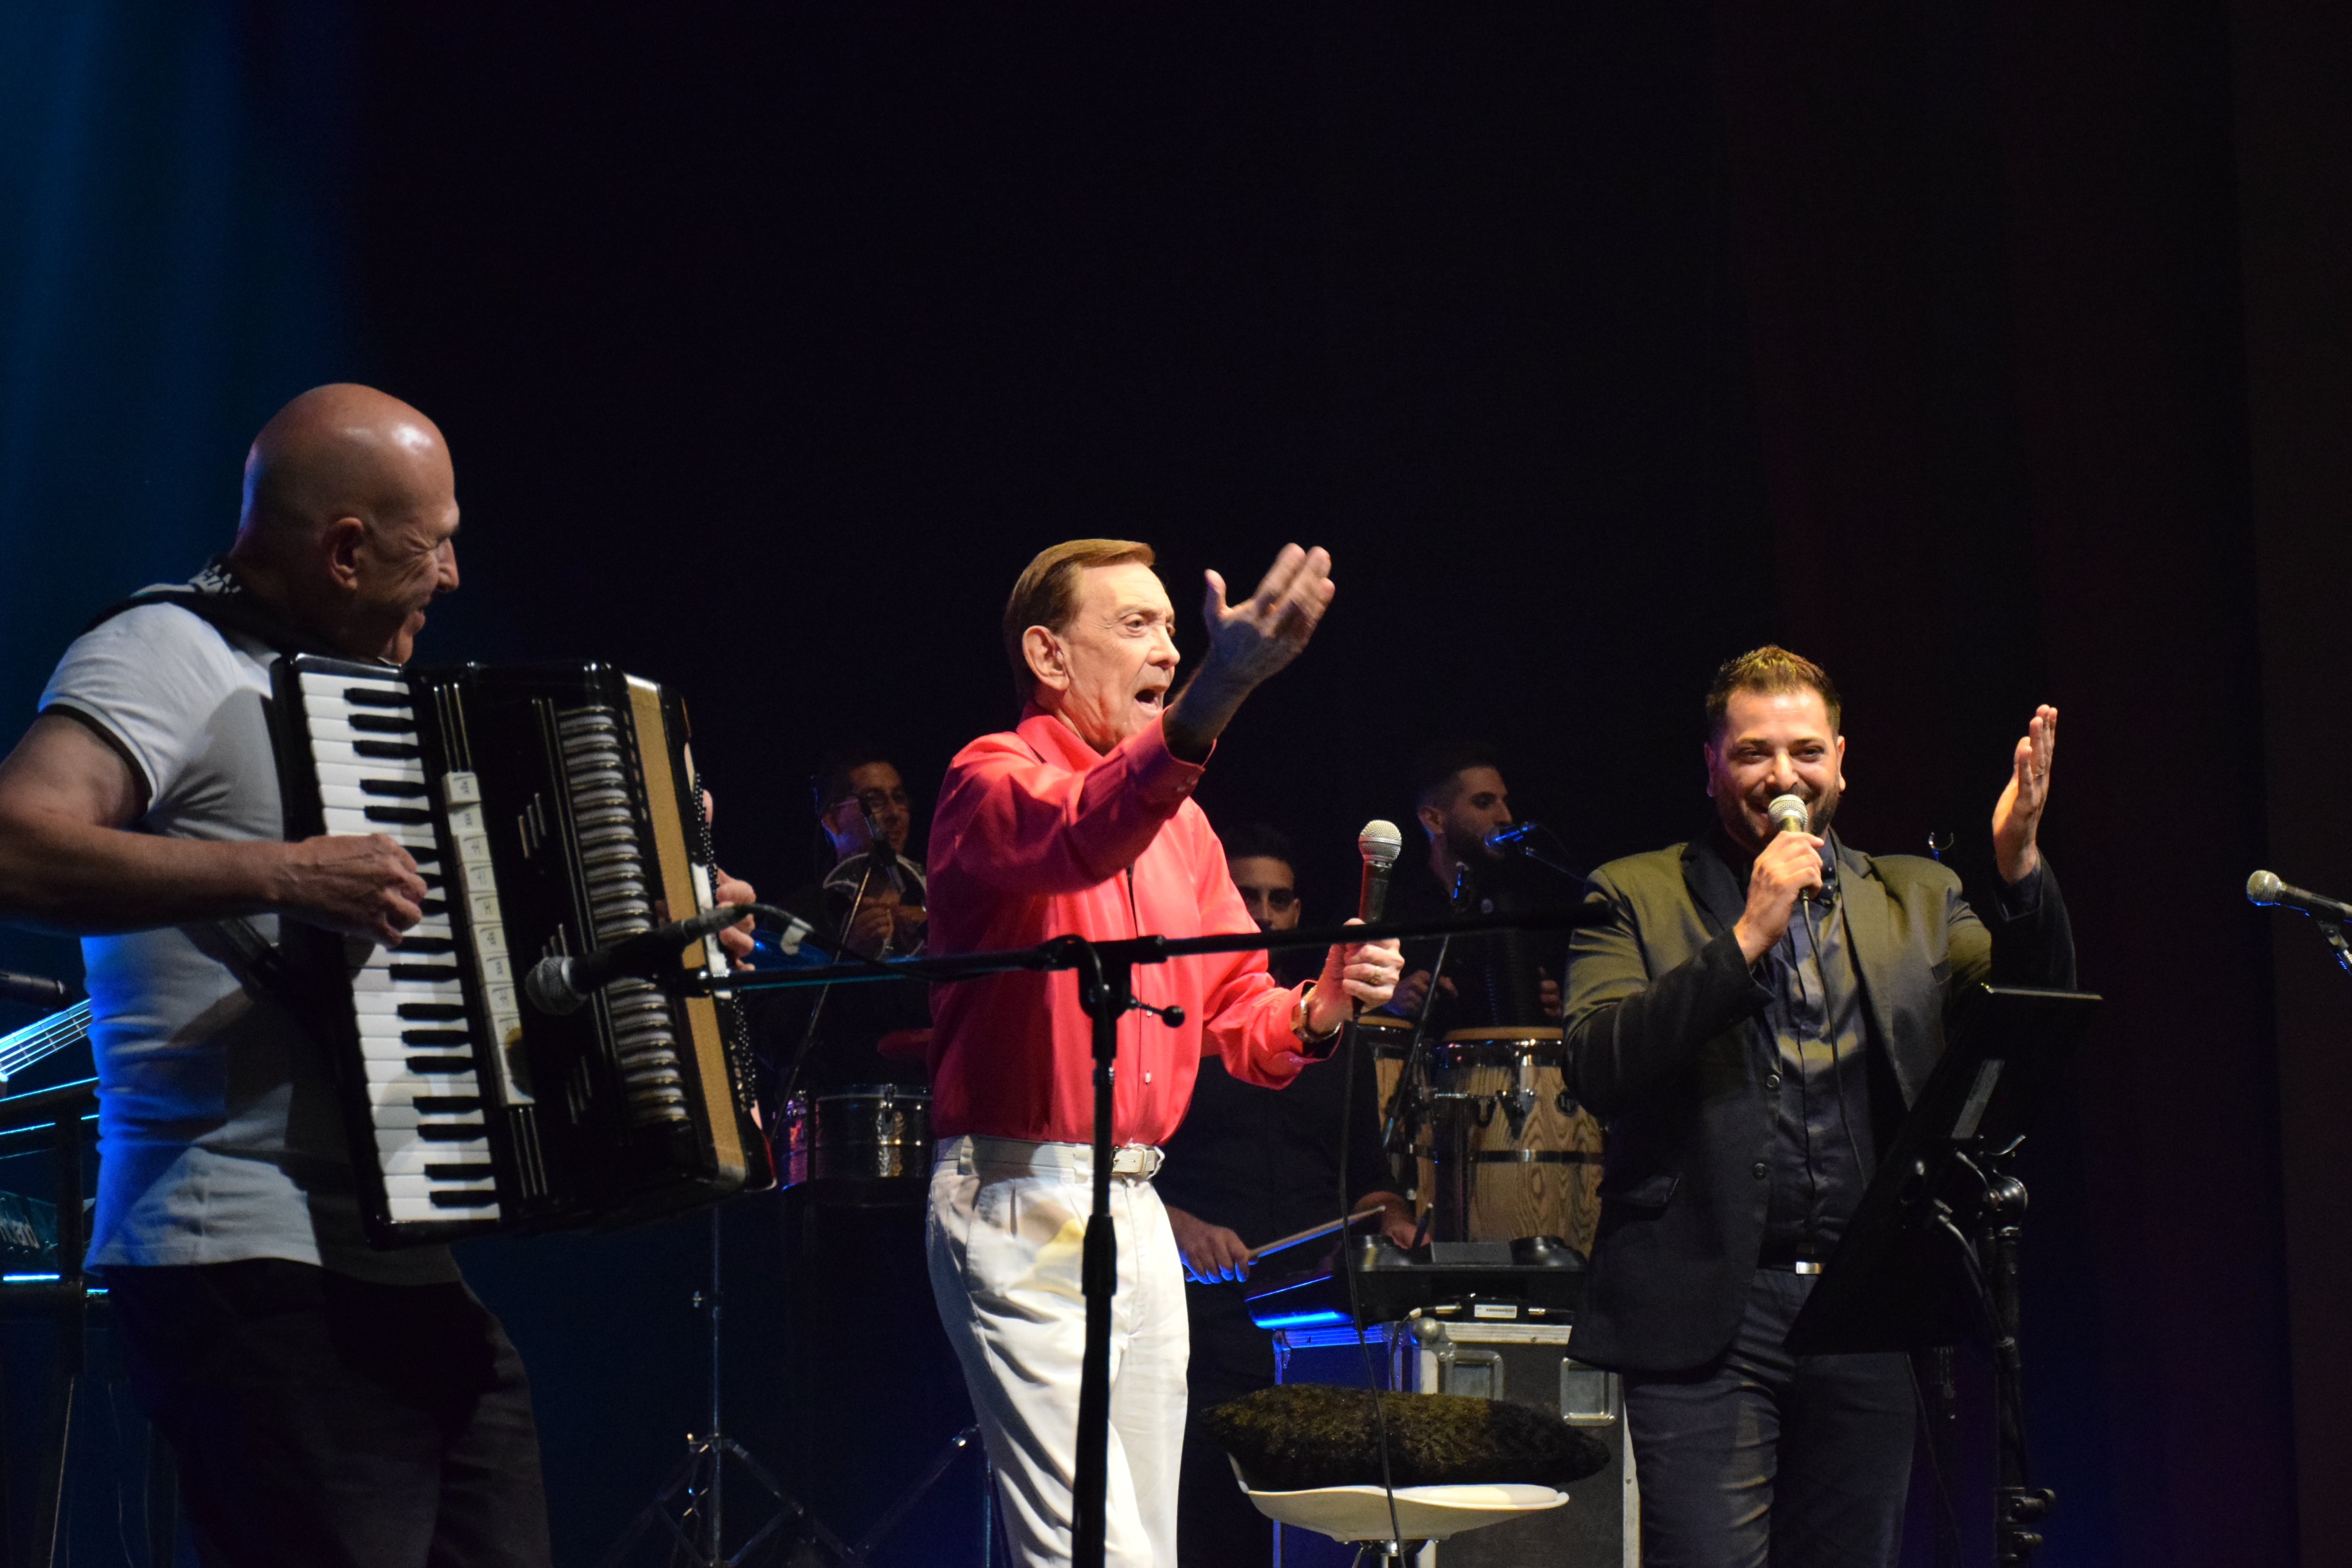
(1383, 1036)
(1513, 1154)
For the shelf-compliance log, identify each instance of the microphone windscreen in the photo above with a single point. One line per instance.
(1379, 842)
(2264, 887)
(548, 984)
(1789, 813)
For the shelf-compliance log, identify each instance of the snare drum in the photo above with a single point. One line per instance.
(869, 1144)
(1511, 1153)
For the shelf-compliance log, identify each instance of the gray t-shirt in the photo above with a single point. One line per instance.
(220, 1134)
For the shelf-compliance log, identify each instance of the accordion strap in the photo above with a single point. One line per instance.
(260, 964)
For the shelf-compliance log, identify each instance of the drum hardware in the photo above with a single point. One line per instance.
(868, 1143)
(696, 1486)
(816, 1006)
(1517, 1107)
(1504, 1149)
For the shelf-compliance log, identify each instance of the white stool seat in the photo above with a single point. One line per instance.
(1423, 1513)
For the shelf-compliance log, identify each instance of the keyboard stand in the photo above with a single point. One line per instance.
(63, 1113)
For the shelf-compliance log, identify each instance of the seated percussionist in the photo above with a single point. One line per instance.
(1248, 1166)
(875, 906)
(1080, 822)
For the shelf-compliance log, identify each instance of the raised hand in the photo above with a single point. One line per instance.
(2017, 817)
(1253, 639)
(1247, 643)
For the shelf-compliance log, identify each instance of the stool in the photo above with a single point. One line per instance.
(1359, 1514)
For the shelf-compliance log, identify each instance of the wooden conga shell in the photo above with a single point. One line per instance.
(1541, 1177)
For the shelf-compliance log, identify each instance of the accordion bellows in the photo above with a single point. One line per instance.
(1306, 1435)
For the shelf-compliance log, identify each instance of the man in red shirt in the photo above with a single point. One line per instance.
(1081, 822)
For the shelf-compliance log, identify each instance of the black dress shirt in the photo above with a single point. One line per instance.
(1497, 976)
(1815, 1031)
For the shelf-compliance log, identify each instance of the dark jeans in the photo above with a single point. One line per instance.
(321, 1422)
(1217, 1526)
(1764, 1459)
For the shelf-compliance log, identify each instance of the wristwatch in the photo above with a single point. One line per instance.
(1298, 1022)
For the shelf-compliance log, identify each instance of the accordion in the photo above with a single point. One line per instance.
(552, 810)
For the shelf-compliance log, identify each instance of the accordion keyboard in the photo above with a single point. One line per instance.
(552, 809)
(423, 1089)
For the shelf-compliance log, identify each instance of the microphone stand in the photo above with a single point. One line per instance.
(1106, 988)
(816, 1008)
(1402, 1097)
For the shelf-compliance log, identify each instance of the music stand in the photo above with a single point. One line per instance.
(1932, 1252)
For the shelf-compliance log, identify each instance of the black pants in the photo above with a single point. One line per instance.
(1217, 1526)
(1764, 1459)
(321, 1421)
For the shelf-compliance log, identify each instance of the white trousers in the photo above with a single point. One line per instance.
(1006, 1231)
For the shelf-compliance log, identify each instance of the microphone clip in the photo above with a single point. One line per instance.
(1172, 1014)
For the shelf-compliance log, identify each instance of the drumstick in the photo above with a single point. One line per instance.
(1304, 1236)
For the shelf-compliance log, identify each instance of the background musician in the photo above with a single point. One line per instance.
(1249, 1165)
(854, 784)
(1752, 1022)
(858, 787)
(1081, 821)
(328, 1403)
(857, 1263)
(1490, 981)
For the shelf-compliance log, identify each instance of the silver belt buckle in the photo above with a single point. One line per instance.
(1808, 1266)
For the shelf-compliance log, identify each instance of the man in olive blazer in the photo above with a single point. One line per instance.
(1747, 1050)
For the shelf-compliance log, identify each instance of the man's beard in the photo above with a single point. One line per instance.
(1821, 808)
(1467, 844)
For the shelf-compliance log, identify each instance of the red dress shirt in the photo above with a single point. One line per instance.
(1038, 836)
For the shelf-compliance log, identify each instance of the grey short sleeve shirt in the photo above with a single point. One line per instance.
(220, 1135)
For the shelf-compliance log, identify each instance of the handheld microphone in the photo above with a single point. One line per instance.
(1789, 813)
(1380, 844)
(561, 984)
(2265, 888)
(1510, 836)
(34, 988)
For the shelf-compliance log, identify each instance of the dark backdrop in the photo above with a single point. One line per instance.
(1969, 349)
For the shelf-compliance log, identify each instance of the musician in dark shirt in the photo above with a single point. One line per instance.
(858, 791)
(1248, 1166)
(1496, 981)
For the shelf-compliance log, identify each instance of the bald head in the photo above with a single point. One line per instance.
(349, 505)
(340, 450)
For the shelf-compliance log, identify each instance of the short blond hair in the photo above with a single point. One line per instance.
(1046, 594)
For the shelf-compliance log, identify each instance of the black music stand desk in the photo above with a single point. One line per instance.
(1931, 1254)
